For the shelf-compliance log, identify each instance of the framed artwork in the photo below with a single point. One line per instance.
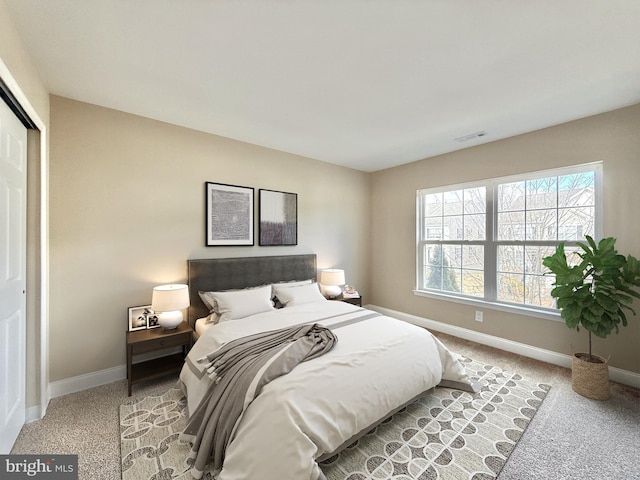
(278, 218)
(152, 320)
(139, 317)
(229, 210)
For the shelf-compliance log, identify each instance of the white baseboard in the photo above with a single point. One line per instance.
(88, 380)
(75, 384)
(616, 374)
(101, 377)
(37, 412)
(33, 413)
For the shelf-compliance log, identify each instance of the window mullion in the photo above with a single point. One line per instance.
(420, 243)
(490, 249)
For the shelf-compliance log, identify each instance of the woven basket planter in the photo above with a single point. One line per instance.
(590, 379)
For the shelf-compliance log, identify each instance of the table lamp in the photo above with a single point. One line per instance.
(168, 301)
(331, 279)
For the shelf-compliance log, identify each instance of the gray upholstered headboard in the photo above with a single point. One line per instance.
(216, 274)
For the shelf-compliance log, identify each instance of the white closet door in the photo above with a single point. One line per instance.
(13, 246)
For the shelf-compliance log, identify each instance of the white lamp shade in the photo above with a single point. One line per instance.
(167, 301)
(330, 279)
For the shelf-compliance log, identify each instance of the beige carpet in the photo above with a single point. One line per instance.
(447, 434)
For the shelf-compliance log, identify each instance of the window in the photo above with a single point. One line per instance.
(485, 241)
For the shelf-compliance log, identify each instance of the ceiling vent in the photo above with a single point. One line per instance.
(471, 136)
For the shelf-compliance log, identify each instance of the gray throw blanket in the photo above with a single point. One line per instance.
(240, 369)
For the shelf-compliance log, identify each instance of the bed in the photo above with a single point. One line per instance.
(378, 365)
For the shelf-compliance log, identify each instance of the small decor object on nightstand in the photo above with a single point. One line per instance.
(350, 292)
(138, 317)
(168, 300)
(351, 295)
(152, 320)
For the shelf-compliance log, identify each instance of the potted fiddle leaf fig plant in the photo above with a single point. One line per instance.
(593, 292)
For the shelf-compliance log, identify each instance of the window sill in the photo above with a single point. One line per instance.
(476, 302)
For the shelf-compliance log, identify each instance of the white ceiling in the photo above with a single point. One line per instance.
(367, 84)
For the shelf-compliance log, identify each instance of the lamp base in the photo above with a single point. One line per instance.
(170, 320)
(332, 291)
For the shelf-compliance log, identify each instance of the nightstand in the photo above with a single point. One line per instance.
(353, 301)
(156, 340)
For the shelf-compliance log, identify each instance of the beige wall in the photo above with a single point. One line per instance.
(127, 211)
(23, 72)
(613, 138)
(15, 57)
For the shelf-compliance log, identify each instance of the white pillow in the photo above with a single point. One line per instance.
(298, 295)
(210, 303)
(233, 305)
(208, 300)
(294, 283)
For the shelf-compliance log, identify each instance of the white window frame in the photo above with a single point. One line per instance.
(491, 243)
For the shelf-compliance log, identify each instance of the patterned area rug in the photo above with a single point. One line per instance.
(447, 434)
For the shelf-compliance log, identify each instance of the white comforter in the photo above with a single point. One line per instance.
(377, 365)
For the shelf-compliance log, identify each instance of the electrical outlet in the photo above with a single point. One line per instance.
(479, 316)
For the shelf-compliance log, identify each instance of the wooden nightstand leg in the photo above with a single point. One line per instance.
(129, 361)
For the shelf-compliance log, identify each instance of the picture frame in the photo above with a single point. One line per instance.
(139, 317)
(229, 215)
(278, 213)
(152, 320)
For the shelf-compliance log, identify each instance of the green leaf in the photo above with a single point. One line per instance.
(561, 291)
(621, 298)
(571, 315)
(589, 320)
(564, 302)
(607, 303)
(596, 309)
(589, 248)
(624, 318)
(631, 271)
